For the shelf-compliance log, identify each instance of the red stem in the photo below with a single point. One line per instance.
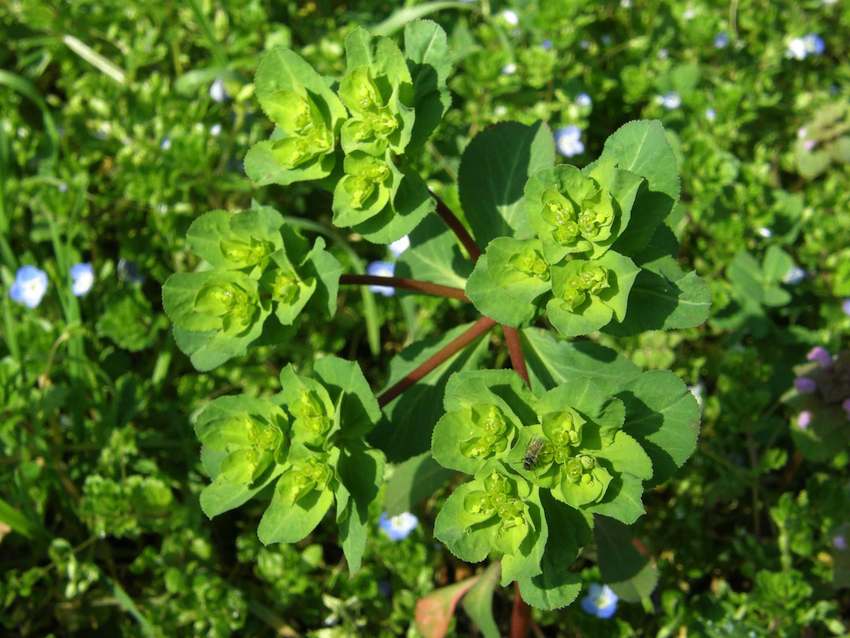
(521, 615)
(416, 285)
(455, 345)
(515, 350)
(458, 229)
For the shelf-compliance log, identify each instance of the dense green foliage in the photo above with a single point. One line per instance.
(132, 412)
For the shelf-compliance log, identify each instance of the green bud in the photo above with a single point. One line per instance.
(530, 262)
(563, 428)
(312, 423)
(493, 432)
(478, 503)
(245, 253)
(594, 278)
(371, 174)
(359, 91)
(233, 305)
(497, 484)
(305, 477)
(560, 212)
(573, 295)
(285, 286)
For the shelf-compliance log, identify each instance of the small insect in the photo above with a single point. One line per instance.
(532, 453)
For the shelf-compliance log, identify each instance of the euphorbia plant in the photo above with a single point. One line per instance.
(552, 450)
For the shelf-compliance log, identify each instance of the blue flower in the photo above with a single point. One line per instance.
(398, 527)
(546, 44)
(568, 141)
(795, 276)
(165, 144)
(217, 91)
(601, 601)
(583, 99)
(82, 278)
(721, 40)
(814, 44)
(29, 286)
(381, 269)
(670, 100)
(710, 114)
(845, 306)
(399, 246)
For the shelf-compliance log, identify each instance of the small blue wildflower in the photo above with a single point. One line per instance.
(839, 542)
(215, 130)
(765, 232)
(601, 601)
(63, 187)
(568, 141)
(721, 40)
(845, 306)
(399, 246)
(804, 419)
(29, 286)
(663, 54)
(583, 99)
(217, 91)
(546, 44)
(670, 100)
(82, 279)
(165, 144)
(814, 44)
(509, 69)
(381, 269)
(710, 114)
(510, 16)
(398, 527)
(795, 276)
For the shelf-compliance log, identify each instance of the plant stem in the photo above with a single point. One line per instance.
(425, 287)
(521, 615)
(458, 229)
(455, 345)
(515, 350)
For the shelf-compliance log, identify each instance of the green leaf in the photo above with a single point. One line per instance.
(622, 499)
(629, 573)
(429, 60)
(464, 535)
(351, 394)
(361, 472)
(552, 362)
(406, 15)
(556, 586)
(664, 297)
(287, 522)
(18, 521)
(327, 270)
(776, 265)
(641, 147)
(493, 171)
(237, 241)
(412, 482)
(507, 279)
(478, 602)
(663, 416)
(434, 256)
(626, 455)
(526, 563)
(411, 417)
(410, 204)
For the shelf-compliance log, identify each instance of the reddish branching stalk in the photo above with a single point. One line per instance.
(415, 285)
(515, 350)
(458, 229)
(455, 345)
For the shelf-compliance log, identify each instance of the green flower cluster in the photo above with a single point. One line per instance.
(351, 135)
(254, 266)
(568, 267)
(566, 445)
(308, 442)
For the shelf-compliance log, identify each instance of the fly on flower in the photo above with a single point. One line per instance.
(532, 453)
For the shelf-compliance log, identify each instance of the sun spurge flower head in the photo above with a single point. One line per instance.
(307, 115)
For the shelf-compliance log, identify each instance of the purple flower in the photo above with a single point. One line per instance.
(845, 306)
(839, 542)
(381, 269)
(821, 355)
(546, 44)
(29, 286)
(721, 40)
(804, 419)
(82, 279)
(568, 141)
(814, 44)
(601, 601)
(805, 385)
(398, 527)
